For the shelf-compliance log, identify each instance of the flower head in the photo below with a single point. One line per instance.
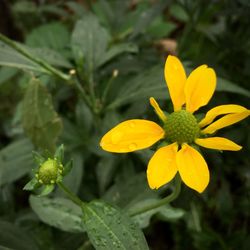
(181, 130)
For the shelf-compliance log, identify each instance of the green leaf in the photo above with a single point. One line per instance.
(104, 171)
(40, 121)
(59, 154)
(160, 28)
(148, 16)
(6, 74)
(165, 212)
(13, 237)
(89, 42)
(11, 58)
(15, 161)
(31, 185)
(109, 228)
(227, 86)
(46, 189)
(178, 12)
(58, 212)
(118, 50)
(147, 84)
(73, 178)
(128, 191)
(50, 56)
(53, 35)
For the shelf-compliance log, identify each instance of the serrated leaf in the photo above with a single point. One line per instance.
(58, 212)
(39, 119)
(89, 42)
(110, 228)
(15, 161)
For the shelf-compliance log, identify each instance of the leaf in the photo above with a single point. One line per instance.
(227, 86)
(45, 190)
(148, 16)
(160, 28)
(31, 185)
(126, 192)
(11, 58)
(53, 35)
(109, 228)
(15, 161)
(6, 74)
(104, 171)
(39, 119)
(14, 237)
(147, 84)
(165, 212)
(178, 12)
(73, 179)
(58, 212)
(89, 42)
(50, 56)
(118, 50)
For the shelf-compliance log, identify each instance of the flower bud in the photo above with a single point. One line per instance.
(49, 172)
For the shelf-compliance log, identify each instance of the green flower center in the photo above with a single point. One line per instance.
(48, 172)
(181, 126)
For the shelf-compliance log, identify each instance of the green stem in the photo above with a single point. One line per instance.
(83, 93)
(71, 196)
(161, 202)
(38, 61)
(108, 85)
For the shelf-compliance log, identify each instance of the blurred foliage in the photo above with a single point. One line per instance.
(97, 63)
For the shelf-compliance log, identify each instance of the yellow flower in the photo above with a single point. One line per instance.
(180, 129)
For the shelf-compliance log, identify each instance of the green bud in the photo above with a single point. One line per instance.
(49, 172)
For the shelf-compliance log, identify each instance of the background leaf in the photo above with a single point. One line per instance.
(14, 237)
(58, 212)
(15, 161)
(11, 58)
(89, 42)
(40, 121)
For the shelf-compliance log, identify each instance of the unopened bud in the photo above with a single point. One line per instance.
(115, 73)
(49, 172)
(72, 72)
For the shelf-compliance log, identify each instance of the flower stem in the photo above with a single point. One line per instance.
(161, 202)
(71, 196)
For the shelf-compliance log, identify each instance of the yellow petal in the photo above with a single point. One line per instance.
(199, 88)
(225, 121)
(157, 109)
(220, 110)
(219, 143)
(192, 168)
(175, 77)
(132, 135)
(162, 166)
